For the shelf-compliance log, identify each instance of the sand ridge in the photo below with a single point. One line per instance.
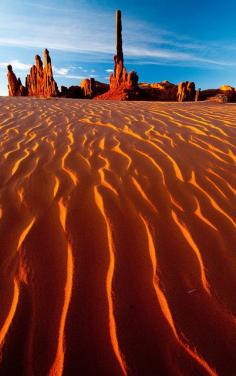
(117, 238)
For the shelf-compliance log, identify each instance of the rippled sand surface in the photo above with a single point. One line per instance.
(117, 238)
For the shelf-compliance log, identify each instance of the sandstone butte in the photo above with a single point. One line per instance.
(122, 86)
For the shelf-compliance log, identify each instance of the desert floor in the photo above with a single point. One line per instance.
(117, 238)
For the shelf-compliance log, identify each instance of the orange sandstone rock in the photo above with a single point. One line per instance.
(224, 94)
(40, 81)
(120, 77)
(15, 87)
(229, 92)
(50, 85)
(88, 87)
(123, 85)
(34, 80)
(186, 91)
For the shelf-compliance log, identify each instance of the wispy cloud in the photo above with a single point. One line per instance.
(174, 56)
(19, 66)
(70, 29)
(61, 71)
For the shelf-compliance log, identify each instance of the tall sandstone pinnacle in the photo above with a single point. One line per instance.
(50, 85)
(120, 78)
(40, 81)
(119, 70)
(15, 87)
(34, 80)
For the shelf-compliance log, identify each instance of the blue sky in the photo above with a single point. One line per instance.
(173, 40)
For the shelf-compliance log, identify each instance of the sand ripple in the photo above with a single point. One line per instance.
(117, 238)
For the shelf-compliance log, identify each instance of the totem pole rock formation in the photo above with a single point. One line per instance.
(123, 85)
(120, 77)
(40, 81)
(15, 87)
(120, 73)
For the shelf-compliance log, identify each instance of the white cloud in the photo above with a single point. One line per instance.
(61, 71)
(16, 65)
(109, 70)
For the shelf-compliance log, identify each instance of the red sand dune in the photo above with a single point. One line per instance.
(117, 238)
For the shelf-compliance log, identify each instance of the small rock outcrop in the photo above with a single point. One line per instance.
(219, 98)
(198, 95)
(186, 91)
(229, 92)
(15, 87)
(224, 94)
(40, 81)
(88, 87)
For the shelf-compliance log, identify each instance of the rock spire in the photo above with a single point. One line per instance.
(120, 78)
(15, 87)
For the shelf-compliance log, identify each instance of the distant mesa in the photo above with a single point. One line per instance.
(122, 86)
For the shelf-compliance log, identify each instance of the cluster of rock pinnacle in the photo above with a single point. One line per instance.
(39, 82)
